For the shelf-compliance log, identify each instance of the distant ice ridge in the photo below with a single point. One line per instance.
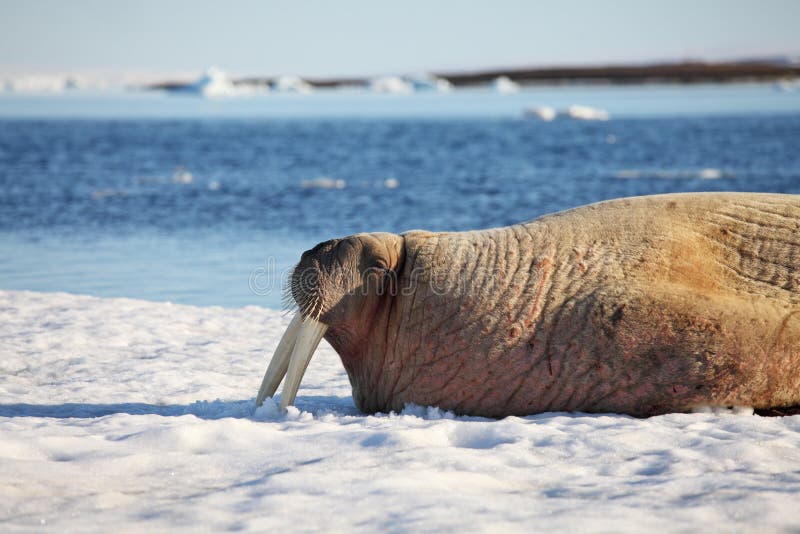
(42, 84)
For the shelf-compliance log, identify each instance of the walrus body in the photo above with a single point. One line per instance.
(642, 306)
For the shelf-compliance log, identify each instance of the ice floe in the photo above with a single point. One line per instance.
(324, 182)
(586, 113)
(134, 415)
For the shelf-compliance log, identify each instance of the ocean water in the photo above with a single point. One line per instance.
(210, 202)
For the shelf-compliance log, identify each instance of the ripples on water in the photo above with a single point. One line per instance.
(185, 210)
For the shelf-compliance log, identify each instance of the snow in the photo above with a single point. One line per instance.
(137, 415)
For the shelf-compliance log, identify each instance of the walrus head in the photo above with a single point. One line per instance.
(338, 284)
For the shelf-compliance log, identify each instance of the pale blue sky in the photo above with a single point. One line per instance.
(354, 37)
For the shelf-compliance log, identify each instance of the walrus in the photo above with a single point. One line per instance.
(640, 306)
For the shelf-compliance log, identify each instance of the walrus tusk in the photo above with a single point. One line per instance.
(309, 336)
(280, 361)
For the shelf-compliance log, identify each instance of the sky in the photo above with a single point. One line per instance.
(359, 37)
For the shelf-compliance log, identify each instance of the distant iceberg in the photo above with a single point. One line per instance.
(586, 113)
(213, 83)
(391, 84)
(504, 84)
(429, 82)
(291, 84)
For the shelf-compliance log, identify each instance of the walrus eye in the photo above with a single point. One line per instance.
(381, 265)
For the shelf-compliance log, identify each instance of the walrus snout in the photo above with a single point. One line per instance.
(340, 272)
(334, 281)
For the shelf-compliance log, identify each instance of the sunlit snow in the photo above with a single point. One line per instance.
(132, 415)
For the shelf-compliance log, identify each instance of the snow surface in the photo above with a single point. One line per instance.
(125, 414)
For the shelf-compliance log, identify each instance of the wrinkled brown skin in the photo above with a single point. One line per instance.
(642, 306)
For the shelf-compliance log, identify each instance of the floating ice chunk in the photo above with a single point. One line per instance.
(182, 176)
(390, 84)
(709, 174)
(586, 113)
(324, 182)
(788, 85)
(214, 185)
(504, 84)
(391, 183)
(544, 113)
(290, 83)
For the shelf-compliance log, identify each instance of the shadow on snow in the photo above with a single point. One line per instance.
(216, 409)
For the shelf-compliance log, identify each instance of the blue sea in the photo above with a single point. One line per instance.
(209, 202)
